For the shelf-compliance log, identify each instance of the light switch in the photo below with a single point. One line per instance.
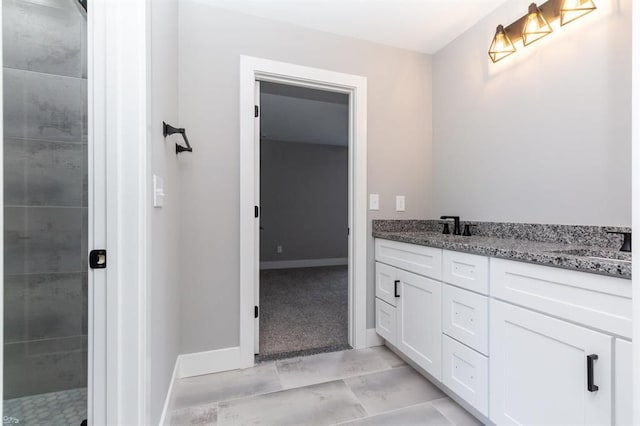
(400, 203)
(374, 202)
(158, 191)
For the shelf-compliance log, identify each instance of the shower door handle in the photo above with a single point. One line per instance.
(98, 259)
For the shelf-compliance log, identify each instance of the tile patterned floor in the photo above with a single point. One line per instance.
(67, 407)
(356, 387)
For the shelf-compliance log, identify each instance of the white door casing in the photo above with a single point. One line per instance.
(256, 191)
(255, 69)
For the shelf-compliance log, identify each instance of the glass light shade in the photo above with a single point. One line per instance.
(501, 46)
(535, 26)
(574, 9)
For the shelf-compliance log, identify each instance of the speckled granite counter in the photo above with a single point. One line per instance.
(588, 249)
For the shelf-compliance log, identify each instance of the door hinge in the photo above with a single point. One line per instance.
(255, 312)
(256, 211)
(98, 259)
(256, 111)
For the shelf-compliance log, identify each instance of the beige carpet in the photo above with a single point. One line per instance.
(303, 311)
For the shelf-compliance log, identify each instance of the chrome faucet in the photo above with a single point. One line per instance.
(456, 223)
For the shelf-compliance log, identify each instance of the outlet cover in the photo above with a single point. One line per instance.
(374, 202)
(400, 203)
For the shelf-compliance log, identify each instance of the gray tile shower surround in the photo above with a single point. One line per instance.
(550, 245)
(45, 205)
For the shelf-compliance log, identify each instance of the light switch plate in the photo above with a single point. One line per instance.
(374, 202)
(158, 191)
(400, 207)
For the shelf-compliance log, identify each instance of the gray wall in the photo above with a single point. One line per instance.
(399, 122)
(544, 135)
(164, 289)
(45, 205)
(304, 191)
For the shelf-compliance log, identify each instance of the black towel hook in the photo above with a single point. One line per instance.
(168, 130)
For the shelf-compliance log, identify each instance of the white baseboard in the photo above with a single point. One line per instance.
(165, 418)
(304, 263)
(199, 363)
(373, 339)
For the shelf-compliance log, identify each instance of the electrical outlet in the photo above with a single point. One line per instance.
(279, 249)
(400, 207)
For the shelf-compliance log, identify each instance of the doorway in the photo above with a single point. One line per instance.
(304, 193)
(251, 71)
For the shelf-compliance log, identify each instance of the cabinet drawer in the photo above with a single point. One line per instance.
(422, 260)
(465, 317)
(598, 301)
(386, 321)
(386, 284)
(466, 372)
(466, 270)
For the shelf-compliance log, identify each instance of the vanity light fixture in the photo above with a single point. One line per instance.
(501, 46)
(535, 26)
(574, 9)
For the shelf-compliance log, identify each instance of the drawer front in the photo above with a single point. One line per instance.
(466, 372)
(465, 317)
(422, 260)
(386, 283)
(386, 321)
(594, 300)
(466, 270)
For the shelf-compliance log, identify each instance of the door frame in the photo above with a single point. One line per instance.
(252, 69)
(635, 196)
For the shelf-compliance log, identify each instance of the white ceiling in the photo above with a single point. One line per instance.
(420, 25)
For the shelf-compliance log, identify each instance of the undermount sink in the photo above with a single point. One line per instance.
(596, 253)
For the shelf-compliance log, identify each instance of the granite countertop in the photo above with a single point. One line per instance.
(587, 258)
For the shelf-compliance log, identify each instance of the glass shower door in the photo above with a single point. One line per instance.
(45, 211)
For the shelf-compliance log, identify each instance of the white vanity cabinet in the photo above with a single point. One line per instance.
(522, 344)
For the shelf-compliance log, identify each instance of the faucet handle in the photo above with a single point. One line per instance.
(467, 231)
(445, 229)
(626, 243)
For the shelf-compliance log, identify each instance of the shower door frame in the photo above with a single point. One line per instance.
(118, 146)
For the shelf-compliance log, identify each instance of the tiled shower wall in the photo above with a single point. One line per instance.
(45, 198)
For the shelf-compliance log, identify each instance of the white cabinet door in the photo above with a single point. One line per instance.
(419, 328)
(386, 283)
(538, 370)
(386, 321)
(623, 395)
